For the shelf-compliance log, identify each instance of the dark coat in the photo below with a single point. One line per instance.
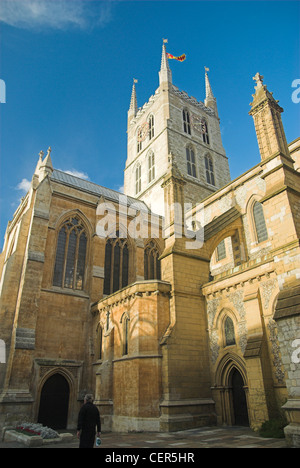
(88, 421)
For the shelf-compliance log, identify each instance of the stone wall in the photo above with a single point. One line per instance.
(287, 316)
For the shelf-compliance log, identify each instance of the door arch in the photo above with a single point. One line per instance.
(54, 402)
(232, 390)
(239, 400)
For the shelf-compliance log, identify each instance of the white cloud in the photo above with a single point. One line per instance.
(55, 14)
(75, 173)
(24, 185)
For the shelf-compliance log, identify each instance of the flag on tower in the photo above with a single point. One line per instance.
(181, 58)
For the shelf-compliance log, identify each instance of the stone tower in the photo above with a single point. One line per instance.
(174, 125)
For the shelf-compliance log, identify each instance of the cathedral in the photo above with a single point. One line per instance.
(169, 302)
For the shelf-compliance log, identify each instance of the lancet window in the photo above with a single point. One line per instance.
(116, 267)
(69, 270)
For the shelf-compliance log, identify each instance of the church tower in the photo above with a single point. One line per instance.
(174, 125)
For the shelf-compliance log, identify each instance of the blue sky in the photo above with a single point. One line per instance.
(68, 67)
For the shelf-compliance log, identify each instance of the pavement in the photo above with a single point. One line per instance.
(204, 437)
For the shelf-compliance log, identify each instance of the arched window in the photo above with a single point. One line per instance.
(151, 127)
(229, 332)
(151, 262)
(191, 162)
(205, 131)
(138, 179)
(151, 167)
(186, 121)
(259, 221)
(69, 270)
(125, 335)
(116, 265)
(209, 170)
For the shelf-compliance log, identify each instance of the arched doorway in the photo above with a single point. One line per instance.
(54, 402)
(239, 401)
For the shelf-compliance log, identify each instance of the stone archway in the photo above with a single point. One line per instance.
(232, 390)
(54, 402)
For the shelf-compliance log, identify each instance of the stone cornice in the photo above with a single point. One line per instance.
(248, 272)
(131, 292)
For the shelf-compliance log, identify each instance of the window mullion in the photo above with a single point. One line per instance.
(65, 258)
(76, 258)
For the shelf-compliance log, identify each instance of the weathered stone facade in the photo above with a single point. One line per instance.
(179, 337)
(287, 316)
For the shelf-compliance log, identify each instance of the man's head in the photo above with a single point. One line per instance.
(88, 398)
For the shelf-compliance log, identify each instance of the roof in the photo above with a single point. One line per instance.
(288, 303)
(95, 189)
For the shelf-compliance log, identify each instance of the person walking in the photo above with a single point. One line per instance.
(88, 421)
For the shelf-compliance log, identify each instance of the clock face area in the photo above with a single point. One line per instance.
(199, 124)
(143, 132)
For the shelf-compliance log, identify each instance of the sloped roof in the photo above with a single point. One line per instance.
(95, 189)
(288, 303)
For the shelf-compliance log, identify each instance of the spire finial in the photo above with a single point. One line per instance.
(208, 90)
(165, 74)
(210, 100)
(259, 80)
(133, 108)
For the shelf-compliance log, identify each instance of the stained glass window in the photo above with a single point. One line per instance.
(69, 269)
(116, 269)
(151, 262)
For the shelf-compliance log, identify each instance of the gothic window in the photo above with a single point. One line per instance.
(69, 270)
(205, 132)
(191, 162)
(125, 335)
(186, 121)
(259, 221)
(151, 167)
(151, 262)
(209, 170)
(116, 269)
(99, 342)
(229, 332)
(138, 179)
(221, 250)
(151, 127)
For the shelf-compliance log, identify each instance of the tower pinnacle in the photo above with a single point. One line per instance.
(266, 111)
(133, 108)
(165, 74)
(210, 100)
